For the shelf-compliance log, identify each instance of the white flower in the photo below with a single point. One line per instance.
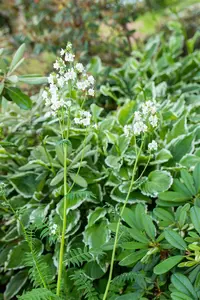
(86, 121)
(153, 121)
(77, 120)
(47, 102)
(61, 81)
(53, 89)
(137, 116)
(79, 67)
(53, 228)
(148, 107)
(153, 110)
(84, 118)
(62, 52)
(91, 92)
(56, 65)
(139, 127)
(127, 130)
(153, 146)
(69, 57)
(145, 109)
(70, 74)
(82, 85)
(86, 114)
(51, 79)
(91, 79)
(44, 95)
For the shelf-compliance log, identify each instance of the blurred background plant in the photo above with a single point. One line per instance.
(107, 28)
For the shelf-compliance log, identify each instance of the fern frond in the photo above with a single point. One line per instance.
(84, 284)
(39, 294)
(78, 256)
(40, 273)
(124, 277)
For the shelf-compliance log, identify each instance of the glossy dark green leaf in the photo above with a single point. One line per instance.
(17, 96)
(175, 239)
(183, 284)
(167, 264)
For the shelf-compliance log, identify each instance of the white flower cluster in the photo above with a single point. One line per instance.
(73, 76)
(84, 118)
(153, 146)
(53, 229)
(143, 120)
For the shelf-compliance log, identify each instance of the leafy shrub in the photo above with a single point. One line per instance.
(151, 236)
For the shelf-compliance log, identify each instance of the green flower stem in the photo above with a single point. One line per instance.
(118, 223)
(82, 156)
(49, 159)
(61, 254)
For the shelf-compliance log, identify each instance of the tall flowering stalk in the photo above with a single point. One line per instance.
(70, 77)
(143, 121)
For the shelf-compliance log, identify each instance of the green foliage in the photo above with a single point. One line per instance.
(158, 247)
(38, 294)
(8, 83)
(84, 285)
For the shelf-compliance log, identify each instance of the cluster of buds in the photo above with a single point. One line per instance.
(69, 74)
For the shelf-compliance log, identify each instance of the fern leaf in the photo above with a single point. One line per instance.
(40, 272)
(124, 277)
(78, 256)
(84, 284)
(39, 294)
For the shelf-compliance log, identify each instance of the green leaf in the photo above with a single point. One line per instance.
(196, 177)
(93, 270)
(33, 79)
(189, 160)
(167, 264)
(158, 181)
(132, 258)
(96, 111)
(134, 245)
(188, 180)
(113, 161)
(25, 184)
(17, 254)
(175, 239)
(57, 179)
(195, 217)
(22, 100)
(15, 284)
(17, 57)
(1, 87)
(163, 156)
(173, 197)
(97, 235)
(178, 129)
(180, 296)
(146, 221)
(182, 284)
(138, 235)
(78, 179)
(126, 112)
(95, 215)
(181, 146)
(164, 215)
